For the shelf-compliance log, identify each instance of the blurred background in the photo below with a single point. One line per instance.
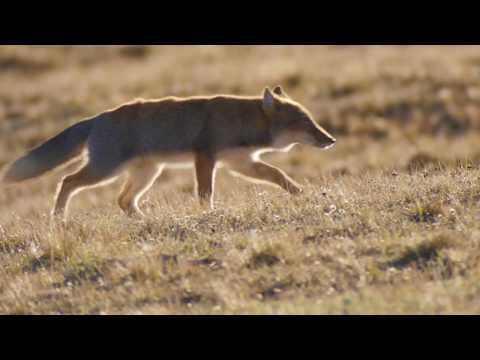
(392, 108)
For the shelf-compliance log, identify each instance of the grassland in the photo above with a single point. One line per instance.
(388, 221)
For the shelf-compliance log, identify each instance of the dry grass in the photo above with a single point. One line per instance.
(388, 222)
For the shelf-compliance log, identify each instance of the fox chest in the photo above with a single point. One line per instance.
(242, 137)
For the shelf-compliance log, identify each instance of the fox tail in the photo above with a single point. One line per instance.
(49, 155)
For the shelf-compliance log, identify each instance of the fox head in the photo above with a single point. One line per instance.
(291, 122)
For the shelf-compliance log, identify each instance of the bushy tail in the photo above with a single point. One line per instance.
(54, 152)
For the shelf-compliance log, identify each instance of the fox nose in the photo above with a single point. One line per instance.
(329, 142)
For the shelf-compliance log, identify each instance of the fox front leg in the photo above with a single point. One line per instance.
(205, 177)
(254, 170)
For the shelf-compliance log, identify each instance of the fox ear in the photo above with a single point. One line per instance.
(269, 101)
(278, 90)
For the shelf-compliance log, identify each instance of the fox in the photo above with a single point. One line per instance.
(140, 138)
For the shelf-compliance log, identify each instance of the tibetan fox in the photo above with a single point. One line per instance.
(141, 137)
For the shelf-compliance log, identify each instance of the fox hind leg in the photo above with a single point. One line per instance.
(140, 179)
(87, 176)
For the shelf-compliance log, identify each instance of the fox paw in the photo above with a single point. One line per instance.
(295, 190)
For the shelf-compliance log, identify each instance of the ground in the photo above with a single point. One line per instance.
(388, 221)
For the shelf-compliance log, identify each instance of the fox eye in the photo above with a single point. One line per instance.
(304, 118)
